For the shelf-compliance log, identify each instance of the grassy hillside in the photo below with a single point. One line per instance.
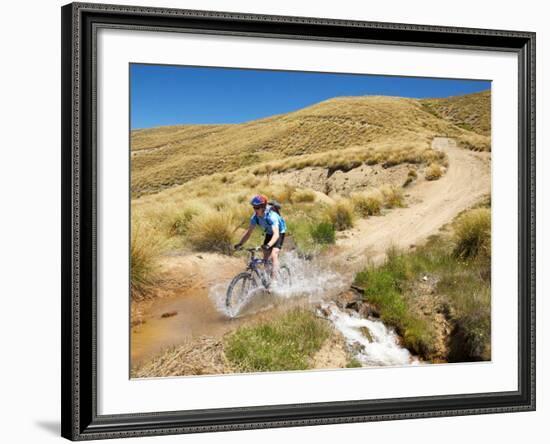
(471, 112)
(369, 128)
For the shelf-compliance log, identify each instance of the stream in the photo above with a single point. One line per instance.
(202, 311)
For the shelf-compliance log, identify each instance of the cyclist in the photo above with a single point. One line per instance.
(267, 217)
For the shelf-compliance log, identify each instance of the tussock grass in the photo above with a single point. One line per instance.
(286, 342)
(145, 247)
(367, 203)
(473, 234)
(212, 231)
(303, 196)
(393, 196)
(179, 220)
(433, 172)
(341, 215)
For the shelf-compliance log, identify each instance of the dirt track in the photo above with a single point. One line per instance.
(430, 205)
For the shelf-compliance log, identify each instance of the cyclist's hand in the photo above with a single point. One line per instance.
(266, 247)
(238, 246)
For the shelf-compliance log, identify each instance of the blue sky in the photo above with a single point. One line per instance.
(171, 95)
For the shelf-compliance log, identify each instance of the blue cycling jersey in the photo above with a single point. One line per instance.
(268, 220)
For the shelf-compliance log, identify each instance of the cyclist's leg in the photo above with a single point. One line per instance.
(275, 261)
(275, 255)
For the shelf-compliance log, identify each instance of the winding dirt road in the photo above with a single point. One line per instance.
(430, 205)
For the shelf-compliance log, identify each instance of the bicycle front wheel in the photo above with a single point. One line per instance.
(239, 289)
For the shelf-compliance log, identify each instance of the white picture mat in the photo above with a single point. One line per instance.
(118, 394)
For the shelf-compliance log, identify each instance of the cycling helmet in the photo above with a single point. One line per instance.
(258, 200)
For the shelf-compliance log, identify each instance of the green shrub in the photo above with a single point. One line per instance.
(323, 233)
(473, 234)
(299, 230)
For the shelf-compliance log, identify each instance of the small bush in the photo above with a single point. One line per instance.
(323, 233)
(433, 172)
(212, 231)
(367, 204)
(340, 215)
(473, 234)
(145, 247)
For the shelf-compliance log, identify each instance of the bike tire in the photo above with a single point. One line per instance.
(285, 277)
(239, 287)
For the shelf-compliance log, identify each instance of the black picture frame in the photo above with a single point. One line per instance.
(80, 420)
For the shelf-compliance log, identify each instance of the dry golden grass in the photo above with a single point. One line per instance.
(340, 132)
(341, 215)
(392, 196)
(303, 196)
(471, 112)
(473, 234)
(433, 172)
(212, 231)
(367, 203)
(203, 356)
(145, 246)
(204, 175)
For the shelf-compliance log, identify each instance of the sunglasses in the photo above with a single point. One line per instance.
(257, 208)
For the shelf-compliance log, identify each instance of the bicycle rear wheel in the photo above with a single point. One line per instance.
(239, 289)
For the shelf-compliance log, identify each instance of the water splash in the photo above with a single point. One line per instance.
(372, 343)
(310, 278)
(311, 281)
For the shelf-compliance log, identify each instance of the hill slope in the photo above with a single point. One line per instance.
(471, 111)
(167, 156)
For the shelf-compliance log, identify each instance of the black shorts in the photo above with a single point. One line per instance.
(279, 243)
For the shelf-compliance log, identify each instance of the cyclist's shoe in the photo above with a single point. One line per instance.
(237, 246)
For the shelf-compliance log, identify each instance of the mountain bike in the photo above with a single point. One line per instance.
(256, 277)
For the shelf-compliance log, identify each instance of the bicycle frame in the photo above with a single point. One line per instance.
(253, 263)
